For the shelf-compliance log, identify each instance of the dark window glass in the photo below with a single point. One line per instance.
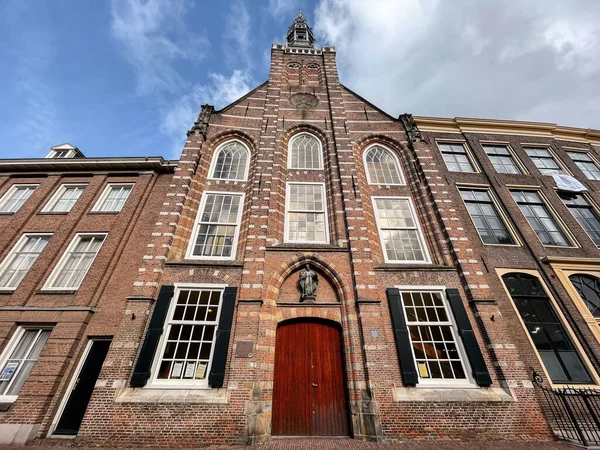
(588, 288)
(539, 217)
(502, 159)
(563, 363)
(586, 164)
(544, 161)
(486, 217)
(455, 156)
(584, 213)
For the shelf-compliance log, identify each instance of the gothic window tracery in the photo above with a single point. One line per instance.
(231, 162)
(305, 152)
(382, 166)
(588, 288)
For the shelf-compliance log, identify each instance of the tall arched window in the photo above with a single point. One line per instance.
(382, 166)
(304, 152)
(552, 342)
(231, 162)
(588, 288)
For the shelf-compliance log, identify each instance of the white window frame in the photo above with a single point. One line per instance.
(289, 158)
(396, 160)
(287, 211)
(12, 343)
(418, 228)
(70, 153)
(238, 225)
(213, 163)
(58, 194)
(17, 247)
(155, 382)
(469, 381)
(11, 191)
(63, 259)
(97, 207)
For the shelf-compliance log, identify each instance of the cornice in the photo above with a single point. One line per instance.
(45, 165)
(493, 126)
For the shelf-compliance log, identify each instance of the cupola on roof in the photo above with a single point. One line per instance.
(300, 34)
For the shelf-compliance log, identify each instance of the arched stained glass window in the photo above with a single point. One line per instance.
(305, 152)
(382, 166)
(231, 162)
(588, 288)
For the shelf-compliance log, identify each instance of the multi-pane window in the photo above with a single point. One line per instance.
(21, 258)
(544, 161)
(60, 153)
(306, 213)
(540, 218)
(218, 226)
(75, 263)
(585, 214)
(399, 230)
(382, 166)
(433, 337)
(588, 288)
(15, 197)
(22, 353)
(456, 157)
(587, 165)
(502, 159)
(486, 217)
(190, 335)
(231, 162)
(305, 152)
(65, 198)
(562, 362)
(113, 198)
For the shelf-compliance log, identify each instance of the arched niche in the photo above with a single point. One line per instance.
(289, 291)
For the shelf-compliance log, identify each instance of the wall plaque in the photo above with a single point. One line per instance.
(304, 100)
(244, 349)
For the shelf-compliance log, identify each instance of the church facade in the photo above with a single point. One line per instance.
(312, 266)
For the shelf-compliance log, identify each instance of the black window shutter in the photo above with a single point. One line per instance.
(403, 345)
(155, 329)
(216, 376)
(480, 372)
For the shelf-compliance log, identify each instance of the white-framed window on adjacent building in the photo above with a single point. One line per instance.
(217, 227)
(382, 166)
(75, 262)
(230, 162)
(19, 357)
(305, 152)
(457, 157)
(306, 213)
(187, 343)
(64, 198)
(14, 198)
(545, 161)
(399, 230)
(437, 349)
(113, 197)
(586, 163)
(502, 158)
(20, 259)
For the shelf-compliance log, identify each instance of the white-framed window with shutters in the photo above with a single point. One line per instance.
(399, 230)
(217, 227)
(437, 349)
(306, 214)
(14, 198)
(18, 358)
(113, 197)
(64, 198)
(75, 263)
(230, 162)
(187, 343)
(20, 259)
(305, 152)
(382, 166)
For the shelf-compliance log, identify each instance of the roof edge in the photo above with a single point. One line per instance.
(136, 164)
(242, 98)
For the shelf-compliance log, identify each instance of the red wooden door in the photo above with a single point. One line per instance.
(309, 393)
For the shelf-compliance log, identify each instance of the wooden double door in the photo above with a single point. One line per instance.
(309, 388)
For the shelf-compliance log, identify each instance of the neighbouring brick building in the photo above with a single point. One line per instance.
(445, 260)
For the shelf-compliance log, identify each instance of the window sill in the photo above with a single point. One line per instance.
(412, 266)
(451, 394)
(53, 213)
(204, 262)
(157, 394)
(56, 291)
(110, 213)
(306, 247)
(7, 213)
(6, 401)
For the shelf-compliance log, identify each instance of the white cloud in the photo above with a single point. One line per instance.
(221, 91)
(535, 61)
(154, 36)
(237, 37)
(281, 9)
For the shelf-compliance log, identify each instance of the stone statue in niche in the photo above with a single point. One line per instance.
(308, 284)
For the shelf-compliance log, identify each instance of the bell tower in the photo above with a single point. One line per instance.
(300, 34)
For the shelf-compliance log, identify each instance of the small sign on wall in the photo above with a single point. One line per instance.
(8, 371)
(244, 349)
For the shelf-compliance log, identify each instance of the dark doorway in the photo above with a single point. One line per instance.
(309, 389)
(80, 395)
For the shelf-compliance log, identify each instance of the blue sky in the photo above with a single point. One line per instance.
(127, 77)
